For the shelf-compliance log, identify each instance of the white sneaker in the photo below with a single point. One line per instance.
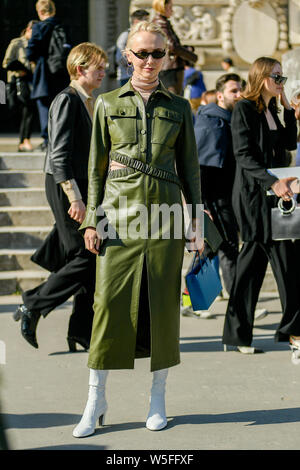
(295, 347)
(260, 313)
(204, 314)
(249, 350)
(188, 312)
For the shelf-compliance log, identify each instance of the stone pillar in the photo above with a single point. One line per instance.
(294, 22)
(107, 19)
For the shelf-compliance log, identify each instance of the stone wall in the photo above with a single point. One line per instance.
(240, 29)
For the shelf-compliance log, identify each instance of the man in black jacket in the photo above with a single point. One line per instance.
(66, 168)
(46, 85)
(214, 143)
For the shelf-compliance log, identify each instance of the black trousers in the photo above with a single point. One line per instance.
(76, 277)
(250, 271)
(28, 111)
(224, 219)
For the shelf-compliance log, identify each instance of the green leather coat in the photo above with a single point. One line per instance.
(161, 135)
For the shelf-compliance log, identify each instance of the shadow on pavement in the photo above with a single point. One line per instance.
(38, 420)
(71, 447)
(250, 418)
(214, 343)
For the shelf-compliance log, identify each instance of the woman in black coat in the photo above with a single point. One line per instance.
(260, 142)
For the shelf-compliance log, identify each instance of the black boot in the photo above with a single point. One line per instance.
(29, 321)
(72, 340)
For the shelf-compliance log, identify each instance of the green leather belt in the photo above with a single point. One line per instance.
(145, 168)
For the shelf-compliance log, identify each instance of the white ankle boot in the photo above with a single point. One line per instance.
(156, 419)
(96, 406)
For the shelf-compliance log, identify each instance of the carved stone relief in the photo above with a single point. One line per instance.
(210, 27)
(280, 12)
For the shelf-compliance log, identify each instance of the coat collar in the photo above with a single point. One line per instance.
(127, 90)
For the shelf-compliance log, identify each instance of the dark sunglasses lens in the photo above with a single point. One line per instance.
(158, 54)
(278, 79)
(142, 55)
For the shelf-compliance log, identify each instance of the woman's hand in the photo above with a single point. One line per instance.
(284, 101)
(196, 243)
(92, 240)
(282, 188)
(77, 211)
(296, 107)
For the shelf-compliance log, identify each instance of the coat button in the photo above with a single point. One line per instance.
(143, 131)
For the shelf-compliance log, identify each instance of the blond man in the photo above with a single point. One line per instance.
(66, 168)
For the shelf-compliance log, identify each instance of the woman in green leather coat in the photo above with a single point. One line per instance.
(143, 153)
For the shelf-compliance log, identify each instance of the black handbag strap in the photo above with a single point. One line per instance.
(145, 168)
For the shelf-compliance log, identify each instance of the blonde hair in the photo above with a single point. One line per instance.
(147, 27)
(46, 6)
(84, 55)
(159, 6)
(259, 70)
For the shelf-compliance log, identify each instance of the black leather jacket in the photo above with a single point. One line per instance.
(70, 129)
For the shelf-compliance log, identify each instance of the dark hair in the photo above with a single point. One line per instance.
(29, 25)
(220, 83)
(227, 60)
(139, 14)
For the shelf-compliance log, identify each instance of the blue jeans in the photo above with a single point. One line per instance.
(43, 105)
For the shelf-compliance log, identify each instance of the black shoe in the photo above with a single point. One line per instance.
(72, 340)
(29, 321)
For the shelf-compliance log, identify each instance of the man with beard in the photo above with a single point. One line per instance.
(217, 164)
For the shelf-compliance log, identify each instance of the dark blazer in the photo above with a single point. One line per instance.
(213, 135)
(70, 129)
(45, 84)
(254, 154)
(177, 54)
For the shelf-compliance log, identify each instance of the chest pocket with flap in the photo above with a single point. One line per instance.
(166, 126)
(122, 124)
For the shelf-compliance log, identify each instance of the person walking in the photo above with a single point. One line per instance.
(193, 84)
(124, 72)
(142, 134)
(217, 165)
(228, 65)
(259, 143)
(46, 85)
(172, 73)
(19, 69)
(66, 168)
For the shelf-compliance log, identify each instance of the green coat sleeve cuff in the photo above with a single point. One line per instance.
(90, 219)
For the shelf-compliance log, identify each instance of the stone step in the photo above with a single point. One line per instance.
(23, 197)
(22, 161)
(20, 179)
(22, 237)
(18, 281)
(26, 216)
(17, 259)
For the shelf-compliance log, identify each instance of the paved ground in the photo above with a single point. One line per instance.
(215, 400)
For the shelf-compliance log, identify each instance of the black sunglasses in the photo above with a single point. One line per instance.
(143, 55)
(278, 79)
